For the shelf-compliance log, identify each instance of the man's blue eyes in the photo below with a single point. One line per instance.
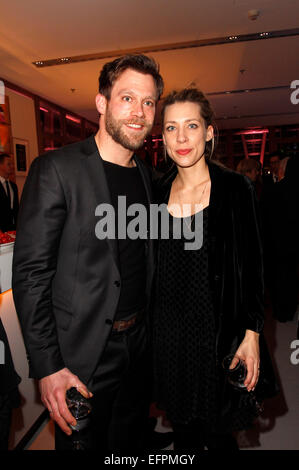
(147, 103)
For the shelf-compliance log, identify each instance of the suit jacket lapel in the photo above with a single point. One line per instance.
(150, 243)
(145, 178)
(98, 183)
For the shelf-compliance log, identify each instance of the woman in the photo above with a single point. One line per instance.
(209, 301)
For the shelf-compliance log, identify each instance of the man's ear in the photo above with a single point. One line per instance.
(101, 103)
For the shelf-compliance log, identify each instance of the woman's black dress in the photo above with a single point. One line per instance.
(184, 331)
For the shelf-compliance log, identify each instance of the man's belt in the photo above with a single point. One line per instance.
(123, 325)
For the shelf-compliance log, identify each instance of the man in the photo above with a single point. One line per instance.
(82, 300)
(9, 392)
(251, 168)
(9, 200)
(274, 162)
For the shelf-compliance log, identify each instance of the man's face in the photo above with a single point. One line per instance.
(252, 174)
(6, 168)
(274, 165)
(130, 112)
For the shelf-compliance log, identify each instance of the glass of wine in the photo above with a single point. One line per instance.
(79, 407)
(235, 370)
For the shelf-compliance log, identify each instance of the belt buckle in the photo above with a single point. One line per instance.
(121, 326)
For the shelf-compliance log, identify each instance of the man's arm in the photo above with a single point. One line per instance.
(43, 211)
(41, 218)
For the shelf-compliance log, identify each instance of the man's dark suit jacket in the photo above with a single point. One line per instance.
(8, 216)
(66, 282)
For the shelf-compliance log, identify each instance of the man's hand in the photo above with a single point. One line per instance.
(249, 351)
(53, 389)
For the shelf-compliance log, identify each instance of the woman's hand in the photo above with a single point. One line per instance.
(249, 351)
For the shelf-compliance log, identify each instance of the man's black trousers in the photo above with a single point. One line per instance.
(121, 386)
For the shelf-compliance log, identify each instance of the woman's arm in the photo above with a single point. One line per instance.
(249, 351)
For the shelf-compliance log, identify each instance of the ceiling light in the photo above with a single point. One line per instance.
(253, 14)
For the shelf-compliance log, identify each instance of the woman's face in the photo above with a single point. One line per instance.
(185, 134)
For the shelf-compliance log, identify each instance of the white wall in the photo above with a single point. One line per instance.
(23, 125)
(31, 406)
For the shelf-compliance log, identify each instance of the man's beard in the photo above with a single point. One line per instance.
(115, 129)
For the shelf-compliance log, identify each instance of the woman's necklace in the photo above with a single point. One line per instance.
(193, 215)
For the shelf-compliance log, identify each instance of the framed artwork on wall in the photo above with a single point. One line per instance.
(4, 112)
(5, 139)
(5, 128)
(21, 156)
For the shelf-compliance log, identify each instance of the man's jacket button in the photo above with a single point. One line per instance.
(116, 283)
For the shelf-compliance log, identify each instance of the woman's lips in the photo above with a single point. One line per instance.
(183, 151)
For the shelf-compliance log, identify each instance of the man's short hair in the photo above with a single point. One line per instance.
(138, 62)
(3, 156)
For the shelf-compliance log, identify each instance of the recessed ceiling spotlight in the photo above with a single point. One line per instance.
(253, 14)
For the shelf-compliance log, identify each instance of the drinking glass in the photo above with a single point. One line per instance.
(235, 375)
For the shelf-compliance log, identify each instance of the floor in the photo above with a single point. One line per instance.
(277, 427)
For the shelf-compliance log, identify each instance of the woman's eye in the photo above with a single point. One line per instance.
(170, 128)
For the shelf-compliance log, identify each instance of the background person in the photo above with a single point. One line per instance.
(9, 392)
(252, 169)
(282, 247)
(249, 167)
(282, 168)
(9, 200)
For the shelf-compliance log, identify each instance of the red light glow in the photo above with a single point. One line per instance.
(71, 118)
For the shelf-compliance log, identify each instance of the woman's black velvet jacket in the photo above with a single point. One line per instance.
(235, 255)
(235, 263)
